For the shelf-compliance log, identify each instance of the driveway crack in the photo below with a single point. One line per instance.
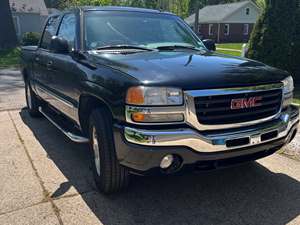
(46, 194)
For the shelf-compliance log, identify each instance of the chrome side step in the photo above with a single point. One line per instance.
(71, 136)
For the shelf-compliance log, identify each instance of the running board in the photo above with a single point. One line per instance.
(70, 135)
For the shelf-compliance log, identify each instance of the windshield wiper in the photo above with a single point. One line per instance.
(173, 47)
(112, 47)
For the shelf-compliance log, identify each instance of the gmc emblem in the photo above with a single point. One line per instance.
(245, 103)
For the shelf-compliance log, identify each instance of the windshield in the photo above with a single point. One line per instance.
(149, 30)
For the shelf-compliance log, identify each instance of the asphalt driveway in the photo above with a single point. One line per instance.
(46, 179)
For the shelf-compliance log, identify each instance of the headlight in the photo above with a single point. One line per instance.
(288, 85)
(288, 89)
(154, 96)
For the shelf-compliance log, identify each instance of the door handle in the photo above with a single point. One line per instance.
(49, 64)
(37, 59)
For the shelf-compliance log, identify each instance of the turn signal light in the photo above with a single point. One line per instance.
(135, 96)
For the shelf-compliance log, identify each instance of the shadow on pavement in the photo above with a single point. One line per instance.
(247, 194)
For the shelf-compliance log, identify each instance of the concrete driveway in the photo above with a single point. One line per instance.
(46, 179)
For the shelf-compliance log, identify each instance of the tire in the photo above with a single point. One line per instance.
(32, 101)
(109, 175)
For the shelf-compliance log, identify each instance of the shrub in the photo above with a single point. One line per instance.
(274, 39)
(31, 38)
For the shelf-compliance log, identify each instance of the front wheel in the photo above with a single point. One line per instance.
(109, 175)
(32, 101)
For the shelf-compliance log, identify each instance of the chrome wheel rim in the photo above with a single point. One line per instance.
(28, 94)
(96, 150)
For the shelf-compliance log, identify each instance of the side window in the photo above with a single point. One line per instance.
(210, 29)
(67, 29)
(226, 29)
(49, 32)
(246, 29)
(247, 11)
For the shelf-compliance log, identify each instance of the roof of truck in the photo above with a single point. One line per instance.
(112, 8)
(118, 8)
(123, 8)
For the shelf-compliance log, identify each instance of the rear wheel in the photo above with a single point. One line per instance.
(109, 175)
(32, 101)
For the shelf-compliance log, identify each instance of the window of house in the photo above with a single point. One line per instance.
(210, 29)
(199, 28)
(247, 11)
(246, 29)
(49, 32)
(226, 29)
(67, 29)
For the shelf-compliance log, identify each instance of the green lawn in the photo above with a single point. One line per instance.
(10, 58)
(229, 52)
(233, 46)
(236, 46)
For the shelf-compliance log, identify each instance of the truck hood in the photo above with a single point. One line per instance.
(190, 70)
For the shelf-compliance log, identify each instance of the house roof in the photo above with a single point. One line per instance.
(217, 13)
(29, 6)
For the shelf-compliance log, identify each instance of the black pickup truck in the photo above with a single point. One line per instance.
(150, 97)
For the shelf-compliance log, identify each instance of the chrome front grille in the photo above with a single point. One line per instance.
(216, 110)
(211, 109)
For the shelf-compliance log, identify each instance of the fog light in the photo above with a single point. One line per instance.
(166, 161)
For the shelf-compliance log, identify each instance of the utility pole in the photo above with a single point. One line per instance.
(8, 38)
(196, 25)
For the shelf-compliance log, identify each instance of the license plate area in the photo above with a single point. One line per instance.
(253, 140)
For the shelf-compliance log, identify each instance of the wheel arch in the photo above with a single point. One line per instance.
(87, 103)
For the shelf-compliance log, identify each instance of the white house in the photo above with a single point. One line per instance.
(28, 15)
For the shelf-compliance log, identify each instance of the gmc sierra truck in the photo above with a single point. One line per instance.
(150, 97)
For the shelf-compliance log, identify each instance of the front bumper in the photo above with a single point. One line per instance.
(143, 150)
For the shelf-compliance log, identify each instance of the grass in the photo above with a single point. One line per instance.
(229, 52)
(10, 58)
(236, 46)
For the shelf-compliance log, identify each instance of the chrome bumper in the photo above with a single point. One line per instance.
(217, 141)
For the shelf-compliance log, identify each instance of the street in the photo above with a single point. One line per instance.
(46, 179)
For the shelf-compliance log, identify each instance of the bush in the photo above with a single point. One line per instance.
(31, 38)
(274, 39)
(10, 58)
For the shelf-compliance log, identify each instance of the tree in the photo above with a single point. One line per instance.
(296, 47)
(274, 35)
(260, 3)
(8, 38)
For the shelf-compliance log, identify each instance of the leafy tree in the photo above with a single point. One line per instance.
(295, 65)
(260, 3)
(274, 35)
(8, 38)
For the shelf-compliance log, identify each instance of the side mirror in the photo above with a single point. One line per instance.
(209, 44)
(59, 45)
